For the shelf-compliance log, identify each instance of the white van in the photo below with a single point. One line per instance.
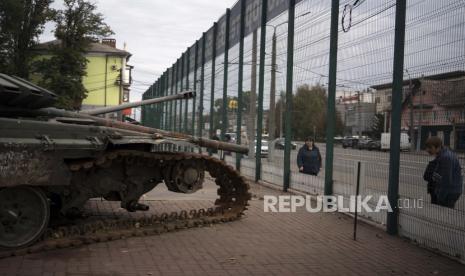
(386, 141)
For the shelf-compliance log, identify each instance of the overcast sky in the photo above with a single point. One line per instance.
(156, 32)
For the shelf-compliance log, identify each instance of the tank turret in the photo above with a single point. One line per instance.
(18, 92)
(18, 96)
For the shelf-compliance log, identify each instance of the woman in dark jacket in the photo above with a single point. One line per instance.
(309, 158)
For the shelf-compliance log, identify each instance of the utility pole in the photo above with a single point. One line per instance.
(253, 98)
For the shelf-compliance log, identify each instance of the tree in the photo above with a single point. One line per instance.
(309, 112)
(78, 25)
(377, 126)
(246, 101)
(21, 22)
(218, 108)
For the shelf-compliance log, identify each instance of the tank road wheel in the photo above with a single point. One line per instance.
(24, 216)
(187, 176)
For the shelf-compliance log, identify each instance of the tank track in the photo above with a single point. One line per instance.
(233, 195)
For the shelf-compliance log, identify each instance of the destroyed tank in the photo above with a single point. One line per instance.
(52, 161)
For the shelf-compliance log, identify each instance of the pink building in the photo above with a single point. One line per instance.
(433, 105)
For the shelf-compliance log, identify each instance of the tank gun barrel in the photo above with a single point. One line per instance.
(109, 109)
(202, 142)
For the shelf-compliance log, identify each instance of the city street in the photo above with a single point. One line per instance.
(375, 170)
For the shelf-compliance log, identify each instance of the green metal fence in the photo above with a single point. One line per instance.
(384, 75)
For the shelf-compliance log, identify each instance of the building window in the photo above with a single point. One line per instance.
(377, 100)
(389, 98)
(434, 115)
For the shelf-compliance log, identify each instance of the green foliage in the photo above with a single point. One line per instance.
(218, 108)
(309, 112)
(218, 111)
(77, 26)
(21, 22)
(246, 101)
(377, 127)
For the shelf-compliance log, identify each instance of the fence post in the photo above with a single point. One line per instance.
(240, 83)
(331, 109)
(142, 111)
(175, 111)
(202, 88)
(155, 95)
(194, 101)
(159, 104)
(171, 102)
(166, 116)
(261, 88)
(212, 81)
(144, 108)
(181, 119)
(152, 87)
(397, 83)
(163, 105)
(150, 116)
(186, 109)
(224, 116)
(289, 96)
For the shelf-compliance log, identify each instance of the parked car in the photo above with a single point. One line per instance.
(350, 142)
(369, 144)
(264, 149)
(364, 143)
(338, 139)
(279, 144)
(374, 145)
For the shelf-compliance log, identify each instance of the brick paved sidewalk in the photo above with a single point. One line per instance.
(260, 244)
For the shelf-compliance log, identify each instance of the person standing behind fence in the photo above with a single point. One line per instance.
(444, 173)
(309, 158)
(428, 176)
